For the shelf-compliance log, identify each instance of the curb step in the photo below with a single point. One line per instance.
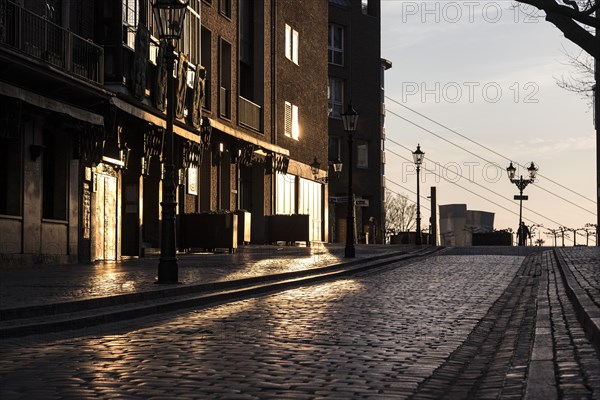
(86, 313)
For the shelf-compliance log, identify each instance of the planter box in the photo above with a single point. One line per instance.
(210, 231)
(244, 226)
(288, 228)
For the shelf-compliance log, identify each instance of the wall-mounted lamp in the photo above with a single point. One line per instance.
(124, 155)
(316, 165)
(35, 151)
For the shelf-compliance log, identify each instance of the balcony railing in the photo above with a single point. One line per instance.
(249, 114)
(37, 37)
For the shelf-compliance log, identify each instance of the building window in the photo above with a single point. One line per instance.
(130, 20)
(191, 32)
(10, 165)
(335, 148)
(335, 99)
(206, 61)
(225, 78)
(365, 6)
(292, 128)
(335, 44)
(291, 44)
(225, 8)
(362, 154)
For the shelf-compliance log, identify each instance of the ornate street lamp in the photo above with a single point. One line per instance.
(350, 121)
(169, 15)
(418, 157)
(521, 184)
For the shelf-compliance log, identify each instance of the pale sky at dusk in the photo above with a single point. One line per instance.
(487, 71)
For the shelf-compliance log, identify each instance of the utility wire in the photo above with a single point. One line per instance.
(486, 148)
(478, 195)
(462, 176)
(512, 212)
(481, 158)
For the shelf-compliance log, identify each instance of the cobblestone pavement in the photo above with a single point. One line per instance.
(493, 361)
(374, 336)
(584, 262)
(42, 284)
(455, 325)
(576, 363)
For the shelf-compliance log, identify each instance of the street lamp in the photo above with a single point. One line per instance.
(169, 16)
(418, 157)
(521, 184)
(350, 121)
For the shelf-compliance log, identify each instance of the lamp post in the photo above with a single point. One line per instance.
(418, 157)
(521, 184)
(169, 15)
(350, 121)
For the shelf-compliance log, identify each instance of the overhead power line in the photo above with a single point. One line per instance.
(482, 158)
(474, 193)
(485, 147)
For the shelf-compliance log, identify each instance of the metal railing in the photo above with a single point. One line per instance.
(249, 114)
(37, 37)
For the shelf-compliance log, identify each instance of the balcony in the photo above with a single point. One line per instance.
(28, 33)
(249, 114)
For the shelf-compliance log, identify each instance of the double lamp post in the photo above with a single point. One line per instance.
(521, 184)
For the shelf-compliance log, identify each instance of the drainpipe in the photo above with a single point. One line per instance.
(273, 92)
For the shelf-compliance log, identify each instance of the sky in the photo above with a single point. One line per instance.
(467, 72)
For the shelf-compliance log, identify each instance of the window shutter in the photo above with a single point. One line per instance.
(288, 119)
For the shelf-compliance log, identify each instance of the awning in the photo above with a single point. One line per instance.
(248, 138)
(193, 136)
(50, 104)
(153, 119)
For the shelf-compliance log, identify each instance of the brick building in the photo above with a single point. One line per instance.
(356, 75)
(82, 89)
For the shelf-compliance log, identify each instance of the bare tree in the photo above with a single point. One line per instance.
(400, 214)
(574, 18)
(581, 79)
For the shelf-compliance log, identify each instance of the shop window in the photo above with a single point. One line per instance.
(55, 174)
(10, 175)
(285, 202)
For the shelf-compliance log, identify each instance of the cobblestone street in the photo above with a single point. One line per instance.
(449, 325)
